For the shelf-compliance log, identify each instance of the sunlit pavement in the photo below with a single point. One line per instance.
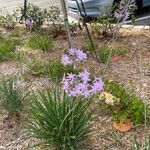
(10, 5)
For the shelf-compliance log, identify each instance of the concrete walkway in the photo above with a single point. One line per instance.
(10, 5)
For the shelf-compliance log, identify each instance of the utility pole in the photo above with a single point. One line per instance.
(64, 10)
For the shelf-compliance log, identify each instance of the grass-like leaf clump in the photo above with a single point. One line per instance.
(58, 120)
(11, 97)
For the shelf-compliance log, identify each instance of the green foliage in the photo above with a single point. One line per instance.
(7, 21)
(57, 71)
(73, 27)
(103, 26)
(42, 42)
(12, 98)
(54, 19)
(131, 107)
(38, 15)
(104, 52)
(58, 120)
(7, 47)
(38, 67)
(35, 13)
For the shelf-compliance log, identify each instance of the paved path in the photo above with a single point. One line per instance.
(10, 5)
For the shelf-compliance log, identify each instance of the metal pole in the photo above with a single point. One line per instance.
(24, 15)
(64, 10)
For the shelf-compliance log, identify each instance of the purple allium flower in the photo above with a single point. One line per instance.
(126, 17)
(72, 51)
(84, 76)
(66, 60)
(29, 22)
(97, 85)
(117, 15)
(81, 84)
(80, 55)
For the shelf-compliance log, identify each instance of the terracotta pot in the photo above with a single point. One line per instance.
(123, 126)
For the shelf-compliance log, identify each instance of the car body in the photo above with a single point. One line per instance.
(94, 8)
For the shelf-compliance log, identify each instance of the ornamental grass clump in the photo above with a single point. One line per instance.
(12, 98)
(58, 120)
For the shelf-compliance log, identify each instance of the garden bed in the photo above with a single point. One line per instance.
(130, 66)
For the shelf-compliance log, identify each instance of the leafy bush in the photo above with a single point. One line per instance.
(42, 42)
(35, 13)
(57, 71)
(54, 19)
(103, 26)
(38, 15)
(12, 98)
(7, 48)
(7, 21)
(58, 120)
(130, 106)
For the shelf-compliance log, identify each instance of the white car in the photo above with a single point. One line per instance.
(94, 8)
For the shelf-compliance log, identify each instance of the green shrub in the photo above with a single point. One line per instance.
(57, 71)
(42, 42)
(58, 120)
(7, 21)
(103, 26)
(35, 13)
(131, 106)
(12, 98)
(7, 48)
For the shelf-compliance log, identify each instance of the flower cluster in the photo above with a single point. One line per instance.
(74, 55)
(125, 10)
(29, 22)
(81, 84)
